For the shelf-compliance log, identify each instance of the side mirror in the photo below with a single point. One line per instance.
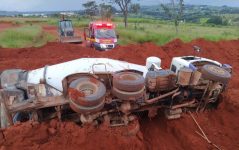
(117, 36)
(227, 67)
(197, 48)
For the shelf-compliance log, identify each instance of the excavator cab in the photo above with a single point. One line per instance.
(66, 32)
(66, 28)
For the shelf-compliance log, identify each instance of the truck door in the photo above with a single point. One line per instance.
(86, 34)
(87, 37)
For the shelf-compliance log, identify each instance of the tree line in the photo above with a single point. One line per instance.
(105, 9)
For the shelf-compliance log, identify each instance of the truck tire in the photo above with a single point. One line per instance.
(87, 92)
(128, 81)
(129, 96)
(215, 73)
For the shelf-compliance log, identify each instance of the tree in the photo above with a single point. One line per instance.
(174, 11)
(124, 7)
(106, 11)
(134, 8)
(91, 8)
(217, 20)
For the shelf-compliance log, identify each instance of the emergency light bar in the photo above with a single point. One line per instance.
(100, 24)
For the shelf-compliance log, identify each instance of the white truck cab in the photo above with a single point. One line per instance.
(192, 62)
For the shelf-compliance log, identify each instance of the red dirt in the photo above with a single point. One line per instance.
(50, 29)
(7, 25)
(221, 125)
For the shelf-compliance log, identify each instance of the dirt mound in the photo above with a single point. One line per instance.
(221, 125)
(68, 135)
(58, 52)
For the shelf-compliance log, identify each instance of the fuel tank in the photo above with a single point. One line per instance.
(160, 80)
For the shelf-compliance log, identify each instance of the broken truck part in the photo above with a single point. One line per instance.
(88, 90)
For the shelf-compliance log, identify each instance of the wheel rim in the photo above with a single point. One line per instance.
(87, 89)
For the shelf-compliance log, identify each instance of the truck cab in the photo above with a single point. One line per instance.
(101, 36)
(194, 63)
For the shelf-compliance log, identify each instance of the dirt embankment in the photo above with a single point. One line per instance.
(221, 125)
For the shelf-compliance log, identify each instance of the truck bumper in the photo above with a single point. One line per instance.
(104, 47)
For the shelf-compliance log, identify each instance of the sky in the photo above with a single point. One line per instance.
(60, 5)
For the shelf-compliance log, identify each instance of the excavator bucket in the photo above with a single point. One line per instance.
(70, 39)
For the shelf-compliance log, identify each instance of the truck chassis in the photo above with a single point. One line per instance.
(108, 95)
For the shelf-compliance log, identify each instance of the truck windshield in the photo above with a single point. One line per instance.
(105, 33)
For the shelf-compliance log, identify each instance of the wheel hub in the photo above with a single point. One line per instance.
(87, 91)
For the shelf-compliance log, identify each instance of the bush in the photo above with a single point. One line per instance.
(217, 20)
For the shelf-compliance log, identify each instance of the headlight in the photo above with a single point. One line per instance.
(102, 45)
(115, 40)
(97, 40)
(227, 67)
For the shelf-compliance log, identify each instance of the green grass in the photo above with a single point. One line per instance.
(139, 20)
(148, 30)
(25, 36)
(163, 33)
(203, 20)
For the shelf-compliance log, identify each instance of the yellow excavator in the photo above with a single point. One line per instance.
(66, 32)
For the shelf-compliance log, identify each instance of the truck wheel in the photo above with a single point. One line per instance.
(215, 73)
(130, 96)
(87, 92)
(128, 81)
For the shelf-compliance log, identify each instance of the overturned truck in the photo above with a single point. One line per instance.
(96, 90)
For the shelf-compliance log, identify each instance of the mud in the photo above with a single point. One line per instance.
(221, 125)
